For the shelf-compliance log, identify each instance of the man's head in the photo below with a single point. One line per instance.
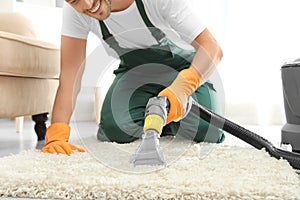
(99, 9)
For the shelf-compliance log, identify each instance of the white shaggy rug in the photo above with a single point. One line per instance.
(203, 171)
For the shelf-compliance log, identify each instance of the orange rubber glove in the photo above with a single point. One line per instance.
(185, 84)
(57, 140)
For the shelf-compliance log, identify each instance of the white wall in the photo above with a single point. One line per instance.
(46, 18)
(257, 37)
(7, 5)
(50, 3)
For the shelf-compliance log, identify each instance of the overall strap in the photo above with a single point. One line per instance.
(156, 33)
(113, 43)
(105, 32)
(110, 39)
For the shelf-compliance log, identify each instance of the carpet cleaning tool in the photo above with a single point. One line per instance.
(149, 152)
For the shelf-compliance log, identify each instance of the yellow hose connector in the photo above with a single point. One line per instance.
(154, 122)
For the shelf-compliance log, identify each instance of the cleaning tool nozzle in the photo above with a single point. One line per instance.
(149, 152)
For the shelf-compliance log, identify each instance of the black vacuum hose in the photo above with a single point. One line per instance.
(244, 134)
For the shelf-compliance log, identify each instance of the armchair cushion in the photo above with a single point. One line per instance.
(28, 57)
(16, 23)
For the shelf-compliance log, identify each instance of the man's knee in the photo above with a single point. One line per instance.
(120, 133)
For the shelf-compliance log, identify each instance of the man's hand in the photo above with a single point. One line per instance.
(57, 140)
(178, 92)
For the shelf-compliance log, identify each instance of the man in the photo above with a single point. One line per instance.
(151, 64)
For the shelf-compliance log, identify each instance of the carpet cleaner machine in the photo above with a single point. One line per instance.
(150, 153)
(290, 132)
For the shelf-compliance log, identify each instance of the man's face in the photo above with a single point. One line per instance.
(99, 9)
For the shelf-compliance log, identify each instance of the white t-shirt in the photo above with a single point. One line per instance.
(176, 18)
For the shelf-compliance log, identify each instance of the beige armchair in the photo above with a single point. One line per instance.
(29, 71)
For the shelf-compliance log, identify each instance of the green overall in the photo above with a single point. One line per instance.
(142, 74)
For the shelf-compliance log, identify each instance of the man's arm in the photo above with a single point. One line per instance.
(72, 57)
(73, 53)
(208, 55)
